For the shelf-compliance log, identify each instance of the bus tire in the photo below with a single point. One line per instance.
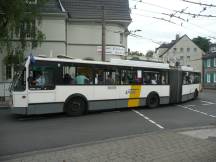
(196, 94)
(75, 106)
(153, 100)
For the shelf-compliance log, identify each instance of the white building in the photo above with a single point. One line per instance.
(182, 50)
(74, 28)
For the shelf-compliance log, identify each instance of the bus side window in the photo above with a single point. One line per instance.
(68, 74)
(41, 78)
(84, 75)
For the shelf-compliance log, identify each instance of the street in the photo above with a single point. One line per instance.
(25, 134)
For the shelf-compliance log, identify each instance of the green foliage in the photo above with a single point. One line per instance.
(14, 59)
(202, 43)
(19, 20)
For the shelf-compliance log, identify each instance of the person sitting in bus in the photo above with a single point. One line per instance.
(40, 79)
(67, 79)
(81, 79)
(147, 79)
(109, 80)
(153, 80)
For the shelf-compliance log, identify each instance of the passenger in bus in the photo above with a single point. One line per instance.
(147, 79)
(154, 81)
(67, 79)
(163, 81)
(109, 80)
(81, 79)
(40, 79)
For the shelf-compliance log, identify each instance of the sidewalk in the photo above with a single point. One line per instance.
(163, 146)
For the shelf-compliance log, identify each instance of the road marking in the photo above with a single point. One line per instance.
(207, 103)
(147, 118)
(191, 105)
(185, 107)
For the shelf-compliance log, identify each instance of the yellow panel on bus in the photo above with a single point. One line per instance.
(134, 96)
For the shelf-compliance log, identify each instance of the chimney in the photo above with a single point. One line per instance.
(177, 36)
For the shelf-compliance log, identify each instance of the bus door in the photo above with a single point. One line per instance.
(19, 90)
(175, 81)
(106, 90)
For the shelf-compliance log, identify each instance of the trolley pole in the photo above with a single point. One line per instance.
(103, 56)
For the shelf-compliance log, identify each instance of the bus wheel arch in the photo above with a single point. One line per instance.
(76, 105)
(153, 100)
(196, 93)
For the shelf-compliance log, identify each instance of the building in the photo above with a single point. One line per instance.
(182, 50)
(209, 68)
(74, 28)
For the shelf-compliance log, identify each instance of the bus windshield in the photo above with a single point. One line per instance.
(19, 80)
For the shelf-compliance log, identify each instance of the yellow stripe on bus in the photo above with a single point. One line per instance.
(134, 100)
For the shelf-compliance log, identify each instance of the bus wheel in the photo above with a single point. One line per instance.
(76, 106)
(196, 94)
(153, 100)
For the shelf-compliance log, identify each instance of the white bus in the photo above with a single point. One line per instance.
(74, 86)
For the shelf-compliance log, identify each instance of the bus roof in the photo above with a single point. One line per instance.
(115, 62)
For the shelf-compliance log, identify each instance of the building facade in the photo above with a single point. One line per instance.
(74, 28)
(209, 68)
(182, 50)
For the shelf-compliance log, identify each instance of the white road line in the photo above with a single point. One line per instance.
(207, 103)
(191, 105)
(197, 111)
(147, 118)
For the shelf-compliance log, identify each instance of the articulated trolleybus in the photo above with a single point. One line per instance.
(75, 86)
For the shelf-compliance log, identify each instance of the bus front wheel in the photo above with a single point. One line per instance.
(153, 100)
(76, 106)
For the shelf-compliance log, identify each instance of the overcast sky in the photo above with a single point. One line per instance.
(154, 32)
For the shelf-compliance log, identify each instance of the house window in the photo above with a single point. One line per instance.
(213, 49)
(209, 63)
(27, 29)
(174, 49)
(188, 57)
(214, 62)
(214, 77)
(188, 49)
(208, 78)
(121, 38)
(181, 49)
(9, 71)
(195, 49)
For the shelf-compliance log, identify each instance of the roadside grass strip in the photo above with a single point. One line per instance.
(148, 119)
(203, 113)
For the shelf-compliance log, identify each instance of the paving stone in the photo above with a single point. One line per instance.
(157, 147)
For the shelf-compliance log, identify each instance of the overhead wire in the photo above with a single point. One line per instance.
(199, 3)
(180, 13)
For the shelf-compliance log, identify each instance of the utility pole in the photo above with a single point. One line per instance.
(103, 56)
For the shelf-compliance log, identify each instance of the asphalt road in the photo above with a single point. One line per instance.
(25, 134)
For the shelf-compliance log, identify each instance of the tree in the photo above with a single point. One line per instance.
(149, 54)
(19, 20)
(202, 43)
